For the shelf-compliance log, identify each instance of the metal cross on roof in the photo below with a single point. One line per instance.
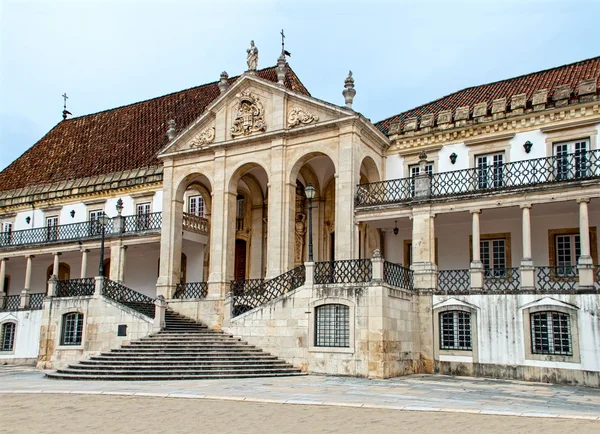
(65, 111)
(286, 53)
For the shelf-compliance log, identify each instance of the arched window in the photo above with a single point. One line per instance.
(72, 329)
(332, 326)
(8, 336)
(551, 333)
(455, 330)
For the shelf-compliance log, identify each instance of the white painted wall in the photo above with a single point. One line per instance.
(27, 337)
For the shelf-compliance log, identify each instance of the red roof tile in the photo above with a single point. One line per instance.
(116, 140)
(570, 74)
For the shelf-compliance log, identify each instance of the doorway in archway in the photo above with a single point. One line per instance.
(240, 260)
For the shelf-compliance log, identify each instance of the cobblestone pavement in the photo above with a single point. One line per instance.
(416, 393)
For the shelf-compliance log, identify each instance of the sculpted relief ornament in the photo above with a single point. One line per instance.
(249, 115)
(298, 116)
(205, 137)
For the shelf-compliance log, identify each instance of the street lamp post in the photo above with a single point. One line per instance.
(309, 190)
(102, 219)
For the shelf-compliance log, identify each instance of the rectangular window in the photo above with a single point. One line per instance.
(196, 205)
(490, 171)
(493, 257)
(143, 216)
(568, 250)
(571, 159)
(239, 213)
(551, 333)
(72, 329)
(8, 336)
(52, 228)
(332, 326)
(455, 330)
(6, 236)
(95, 227)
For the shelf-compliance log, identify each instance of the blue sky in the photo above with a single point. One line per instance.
(110, 53)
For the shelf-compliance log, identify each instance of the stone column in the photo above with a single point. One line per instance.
(423, 249)
(56, 265)
(28, 267)
(84, 258)
(345, 186)
(256, 243)
(476, 264)
(527, 269)
(117, 261)
(2, 277)
(585, 264)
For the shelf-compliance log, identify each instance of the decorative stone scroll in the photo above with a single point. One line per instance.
(298, 116)
(205, 137)
(249, 115)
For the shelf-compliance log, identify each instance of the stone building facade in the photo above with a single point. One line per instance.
(457, 237)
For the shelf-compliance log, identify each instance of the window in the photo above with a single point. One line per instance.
(455, 330)
(95, 227)
(493, 256)
(6, 238)
(414, 171)
(239, 213)
(196, 205)
(490, 170)
(571, 159)
(52, 228)
(568, 250)
(143, 216)
(8, 336)
(72, 329)
(551, 333)
(332, 326)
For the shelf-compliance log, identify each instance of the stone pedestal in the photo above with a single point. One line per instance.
(25, 299)
(52, 285)
(527, 271)
(98, 284)
(160, 307)
(476, 271)
(310, 273)
(585, 267)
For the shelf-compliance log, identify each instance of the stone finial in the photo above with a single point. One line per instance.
(223, 82)
(171, 132)
(462, 113)
(119, 206)
(422, 162)
(480, 110)
(376, 253)
(349, 91)
(281, 69)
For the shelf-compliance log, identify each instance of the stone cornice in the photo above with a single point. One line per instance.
(488, 139)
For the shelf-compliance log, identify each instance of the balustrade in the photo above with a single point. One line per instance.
(191, 290)
(346, 271)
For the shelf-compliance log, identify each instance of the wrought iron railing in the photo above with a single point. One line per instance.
(142, 222)
(397, 275)
(75, 287)
(503, 176)
(195, 223)
(345, 271)
(11, 303)
(128, 297)
(454, 280)
(267, 291)
(191, 290)
(238, 287)
(36, 300)
(564, 277)
(502, 279)
(54, 234)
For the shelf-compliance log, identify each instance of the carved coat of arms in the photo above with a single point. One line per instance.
(249, 115)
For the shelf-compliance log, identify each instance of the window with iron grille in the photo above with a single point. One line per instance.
(95, 227)
(239, 212)
(8, 336)
(332, 326)
(196, 205)
(72, 329)
(6, 233)
(143, 215)
(52, 228)
(551, 333)
(493, 256)
(455, 330)
(571, 159)
(490, 170)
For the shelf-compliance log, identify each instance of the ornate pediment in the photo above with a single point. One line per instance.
(298, 116)
(205, 137)
(249, 115)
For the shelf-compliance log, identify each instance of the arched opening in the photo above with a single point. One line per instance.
(318, 170)
(248, 216)
(369, 238)
(64, 272)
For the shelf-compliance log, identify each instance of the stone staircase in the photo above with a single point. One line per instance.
(185, 350)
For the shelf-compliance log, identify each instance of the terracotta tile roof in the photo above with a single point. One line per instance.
(567, 74)
(116, 140)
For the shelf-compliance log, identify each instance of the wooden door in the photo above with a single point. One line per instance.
(240, 260)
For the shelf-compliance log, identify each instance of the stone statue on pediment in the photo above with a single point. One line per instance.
(252, 57)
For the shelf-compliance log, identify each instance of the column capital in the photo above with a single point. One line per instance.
(475, 211)
(29, 256)
(85, 250)
(57, 253)
(525, 205)
(583, 200)
(4, 259)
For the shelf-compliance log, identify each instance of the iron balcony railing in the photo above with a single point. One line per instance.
(454, 280)
(490, 178)
(397, 275)
(346, 271)
(191, 290)
(563, 277)
(240, 286)
(502, 279)
(75, 287)
(195, 223)
(80, 231)
(128, 297)
(36, 301)
(12, 303)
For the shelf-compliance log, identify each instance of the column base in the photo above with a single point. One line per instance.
(424, 275)
(217, 290)
(585, 267)
(527, 271)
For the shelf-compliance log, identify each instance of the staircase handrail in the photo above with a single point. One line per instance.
(128, 297)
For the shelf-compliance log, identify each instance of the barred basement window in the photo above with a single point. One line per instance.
(455, 330)
(72, 329)
(551, 333)
(8, 336)
(332, 326)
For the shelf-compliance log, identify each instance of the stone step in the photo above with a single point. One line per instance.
(186, 349)
(146, 372)
(183, 376)
(194, 357)
(194, 367)
(154, 362)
